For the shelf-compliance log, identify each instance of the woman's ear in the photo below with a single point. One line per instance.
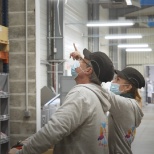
(129, 87)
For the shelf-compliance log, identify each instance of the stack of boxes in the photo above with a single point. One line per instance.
(4, 48)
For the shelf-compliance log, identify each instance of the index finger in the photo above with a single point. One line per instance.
(75, 47)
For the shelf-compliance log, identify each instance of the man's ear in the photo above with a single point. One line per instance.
(88, 70)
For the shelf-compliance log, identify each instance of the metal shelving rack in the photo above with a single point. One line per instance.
(4, 114)
(4, 92)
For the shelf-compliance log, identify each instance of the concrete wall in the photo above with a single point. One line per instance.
(21, 128)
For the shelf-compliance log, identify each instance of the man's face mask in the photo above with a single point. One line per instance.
(75, 65)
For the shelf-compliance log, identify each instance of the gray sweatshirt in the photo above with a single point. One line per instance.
(125, 116)
(77, 127)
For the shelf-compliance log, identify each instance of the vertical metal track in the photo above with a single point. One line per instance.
(5, 13)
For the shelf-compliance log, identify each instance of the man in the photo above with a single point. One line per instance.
(79, 125)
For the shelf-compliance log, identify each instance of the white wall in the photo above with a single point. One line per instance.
(141, 58)
(75, 17)
(43, 42)
(103, 43)
(41, 50)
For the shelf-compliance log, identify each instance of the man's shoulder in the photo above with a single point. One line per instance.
(84, 89)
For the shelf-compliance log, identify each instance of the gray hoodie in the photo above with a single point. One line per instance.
(125, 116)
(77, 127)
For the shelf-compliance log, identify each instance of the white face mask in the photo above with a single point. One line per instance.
(115, 88)
(73, 69)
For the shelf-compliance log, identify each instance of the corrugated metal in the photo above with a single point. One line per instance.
(43, 41)
(142, 12)
(75, 17)
(104, 15)
(141, 58)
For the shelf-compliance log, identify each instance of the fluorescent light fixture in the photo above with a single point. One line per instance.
(138, 49)
(111, 23)
(135, 36)
(129, 2)
(133, 45)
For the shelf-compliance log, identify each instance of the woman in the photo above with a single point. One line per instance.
(125, 112)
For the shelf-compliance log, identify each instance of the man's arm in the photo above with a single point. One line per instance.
(65, 120)
(75, 55)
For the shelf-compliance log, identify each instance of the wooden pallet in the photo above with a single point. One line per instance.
(4, 45)
(3, 33)
(4, 56)
(4, 42)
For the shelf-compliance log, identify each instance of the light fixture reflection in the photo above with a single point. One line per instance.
(138, 49)
(112, 24)
(129, 2)
(133, 45)
(136, 36)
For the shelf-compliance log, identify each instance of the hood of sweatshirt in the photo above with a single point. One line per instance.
(98, 91)
(138, 114)
(119, 103)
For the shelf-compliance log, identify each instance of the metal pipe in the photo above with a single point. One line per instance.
(48, 39)
(56, 69)
(54, 37)
(38, 78)
(54, 72)
(26, 59)
(5, 13)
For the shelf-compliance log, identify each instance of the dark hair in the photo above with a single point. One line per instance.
(94, 79)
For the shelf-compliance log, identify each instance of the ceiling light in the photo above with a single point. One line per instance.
(123, 36)
(132, 45)
(129, 2)
(138, 49)
(112, 23)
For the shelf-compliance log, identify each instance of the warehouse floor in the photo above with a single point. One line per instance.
(144, 141)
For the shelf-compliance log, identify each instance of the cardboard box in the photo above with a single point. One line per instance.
(50, 151)
(3, 34)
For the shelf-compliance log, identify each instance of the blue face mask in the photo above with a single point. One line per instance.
(73, 69)
(115, 88)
